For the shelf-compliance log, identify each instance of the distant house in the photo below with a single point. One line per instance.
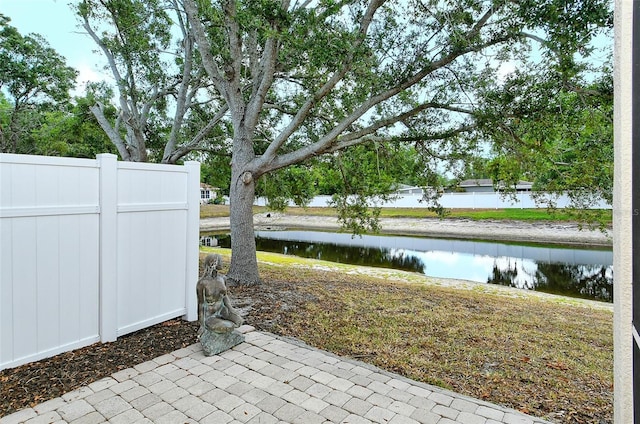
(406, 189)
(207, 193)
(482, 185)
(485, 185)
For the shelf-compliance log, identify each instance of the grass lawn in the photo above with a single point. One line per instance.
(212, 211)
(544, 355)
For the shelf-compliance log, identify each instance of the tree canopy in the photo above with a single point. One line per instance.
(163, 107)
(33, 76)
(304, 79)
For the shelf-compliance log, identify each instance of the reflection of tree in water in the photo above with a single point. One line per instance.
(504, 276)
(586, 281)
(354, 255)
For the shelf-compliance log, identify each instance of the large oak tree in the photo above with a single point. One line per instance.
(309, 78)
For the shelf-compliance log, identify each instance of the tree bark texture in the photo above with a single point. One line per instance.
(244, 264)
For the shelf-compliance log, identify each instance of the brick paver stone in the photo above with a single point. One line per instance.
(253, 395)
(164, 359)
(318, 390)
(80, 393)
(157, 410)
(490, 413)
(360, 392)
(402, 419)
(172, 417)
(441, 398)
(46, 418)
(463, 405)
(263, 418)
(112, 406)
(379, 415)
(314, 404)
(308, 417)
(265, 380)
(337, 398)
(125, 374)
(445, 411)
(510, 418)
(95, 418)
(357, 406)
(49, 405)
(288, 412)
(75, 409)
(271, 404)
(102, 384)
(217, 417)
(424, 416)
(229, 403)
(356, 419)
(127, 417)
(469, 418)
(245, 412)
(295, 396)
(145, 401)
(239, 388)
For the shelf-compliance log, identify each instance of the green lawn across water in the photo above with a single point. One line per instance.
(597, 215)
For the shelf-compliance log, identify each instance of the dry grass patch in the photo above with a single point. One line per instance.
(541, 357)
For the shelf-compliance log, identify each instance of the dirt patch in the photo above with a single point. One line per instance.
(561, 233)
(263, 307)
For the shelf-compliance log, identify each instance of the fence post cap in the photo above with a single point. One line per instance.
(106, 156)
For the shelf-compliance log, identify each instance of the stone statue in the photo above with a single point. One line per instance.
(212, 263)
(217, 318)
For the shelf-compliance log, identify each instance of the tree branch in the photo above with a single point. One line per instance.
(204, 47)
(183, 91)
(323, 91)
(114, 137)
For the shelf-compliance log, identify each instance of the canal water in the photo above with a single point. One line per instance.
(576, 272)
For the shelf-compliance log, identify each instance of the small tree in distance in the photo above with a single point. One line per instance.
(34, 76)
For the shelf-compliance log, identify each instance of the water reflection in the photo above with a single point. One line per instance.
(586, 273)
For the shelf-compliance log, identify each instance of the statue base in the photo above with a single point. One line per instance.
(214, 343)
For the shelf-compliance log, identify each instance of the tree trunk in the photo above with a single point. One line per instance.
(244, 265)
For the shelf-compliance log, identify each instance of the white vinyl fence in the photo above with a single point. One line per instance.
(522, 200)
(91, 250)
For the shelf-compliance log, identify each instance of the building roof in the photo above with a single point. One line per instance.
(488, 182)
(481, 182)
(204, 186)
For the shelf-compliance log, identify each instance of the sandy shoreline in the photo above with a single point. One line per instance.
(565, 233)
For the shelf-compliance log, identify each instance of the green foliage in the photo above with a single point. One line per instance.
(142, 30)
(73, 133)
(566, 147)
(162, 102)
(216, 172)
(295, 183)
(35, 78)
(355, 213)
(30, 71)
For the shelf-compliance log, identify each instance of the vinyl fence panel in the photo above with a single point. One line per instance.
(152, 205)
(48, 256)
(92, 249)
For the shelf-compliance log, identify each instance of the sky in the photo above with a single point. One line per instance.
(56, 22)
